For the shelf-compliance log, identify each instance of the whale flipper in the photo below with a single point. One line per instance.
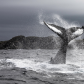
(56, 29)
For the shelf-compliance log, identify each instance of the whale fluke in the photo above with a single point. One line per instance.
(66, 35)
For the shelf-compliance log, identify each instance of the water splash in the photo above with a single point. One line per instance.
(32, 64)
(57, 19)
(41, 18)
(5, 64)
(39, 63)
(50, 70)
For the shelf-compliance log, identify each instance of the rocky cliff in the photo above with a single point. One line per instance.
(22, 42)
(50, 42)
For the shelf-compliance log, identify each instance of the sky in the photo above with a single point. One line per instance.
(24, 17)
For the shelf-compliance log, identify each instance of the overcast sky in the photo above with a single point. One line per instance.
(22, 17)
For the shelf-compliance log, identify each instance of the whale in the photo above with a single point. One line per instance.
(66, 35)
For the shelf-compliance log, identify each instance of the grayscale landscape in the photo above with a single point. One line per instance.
(27, 45)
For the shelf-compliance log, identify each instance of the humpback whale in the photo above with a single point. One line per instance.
(66, 35)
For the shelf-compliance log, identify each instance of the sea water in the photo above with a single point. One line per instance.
(38, 60)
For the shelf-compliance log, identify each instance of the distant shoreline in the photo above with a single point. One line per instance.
(33, 42)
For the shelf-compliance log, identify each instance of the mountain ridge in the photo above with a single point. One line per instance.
(33, 42)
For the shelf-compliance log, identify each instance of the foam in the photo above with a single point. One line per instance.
(31, 64)
(44, 67)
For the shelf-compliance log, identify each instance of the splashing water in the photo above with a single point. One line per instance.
(58, 20)
(49, 69)
(39, 62)
(41, 19)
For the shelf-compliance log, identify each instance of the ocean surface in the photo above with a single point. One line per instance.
(38, 61)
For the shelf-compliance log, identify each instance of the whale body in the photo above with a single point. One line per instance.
(66, 35)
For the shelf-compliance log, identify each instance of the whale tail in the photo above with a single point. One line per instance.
(71, 33)
(66, 35)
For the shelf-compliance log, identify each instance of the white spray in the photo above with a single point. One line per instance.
(56, 19)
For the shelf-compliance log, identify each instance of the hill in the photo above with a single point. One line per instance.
(50, 42)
